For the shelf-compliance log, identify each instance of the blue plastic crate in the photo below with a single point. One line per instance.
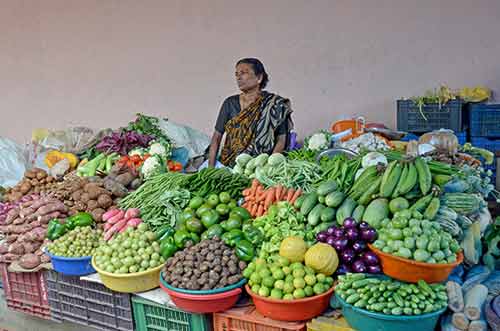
(484, 120)
(491, 145)
(461, 136)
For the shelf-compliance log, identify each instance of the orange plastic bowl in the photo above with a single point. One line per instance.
(291, 310)
(412, 271)
(204, 303)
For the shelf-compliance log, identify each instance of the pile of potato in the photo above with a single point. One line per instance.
(34, 181)
(25, 229)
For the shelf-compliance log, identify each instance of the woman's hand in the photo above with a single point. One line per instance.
(214, 148)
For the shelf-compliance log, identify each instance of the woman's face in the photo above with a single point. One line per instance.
(246, 78)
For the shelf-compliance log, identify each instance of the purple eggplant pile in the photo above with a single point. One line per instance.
(351, 243)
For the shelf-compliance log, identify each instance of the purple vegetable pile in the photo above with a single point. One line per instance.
(350, 241)
(123, 142)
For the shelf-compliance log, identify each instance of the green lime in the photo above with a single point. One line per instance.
(279, 274)
(256, 278)
(329, 281)
(273, 268)
(286, 270)
(299, 283)
(256, 288)
(251, 265)
(268, 281)
(264, 291)
(264, 272)
(309, 271)
(260, 264)
(310, 280)
(319, 288)
(320, 278)
(289, 279)
(299, 293)
(288, 296)
(309, 291)
(279, 284)
(276, 294)
(299, 273)
(288, 288)
(283, 261)
(247, 273)
(296, 265)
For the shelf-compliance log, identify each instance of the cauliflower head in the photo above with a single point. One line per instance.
(318, 141)
(153, 165)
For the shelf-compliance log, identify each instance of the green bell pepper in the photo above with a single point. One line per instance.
(232, 237)
(245, 251)
(181, 237)
(56, 229)
(231, 223)
(79, 219)
(167, 247)
(253, 234)
(164, 232)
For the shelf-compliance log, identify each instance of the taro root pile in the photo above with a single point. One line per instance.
(207, 265)
(25, 228)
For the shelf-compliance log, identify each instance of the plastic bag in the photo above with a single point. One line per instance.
(194, 141)
(13, 162)
(73, 140)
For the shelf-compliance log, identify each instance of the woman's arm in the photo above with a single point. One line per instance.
(280, 144)
(214, 148)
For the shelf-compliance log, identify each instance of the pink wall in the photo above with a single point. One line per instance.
(96, 63)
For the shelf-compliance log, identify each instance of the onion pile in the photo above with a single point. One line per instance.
(350, 241)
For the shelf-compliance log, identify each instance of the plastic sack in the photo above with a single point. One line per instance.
(73, 140)
(13, 162)
(193, 140)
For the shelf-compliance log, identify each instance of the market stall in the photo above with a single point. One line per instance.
(356, 229)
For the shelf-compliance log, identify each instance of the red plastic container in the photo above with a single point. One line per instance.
(291, 310)
(248, 319)
(205, 303)
(26, 292)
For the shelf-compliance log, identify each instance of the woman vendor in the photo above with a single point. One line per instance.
(254, 121)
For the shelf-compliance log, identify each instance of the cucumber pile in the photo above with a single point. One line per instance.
(391, 297)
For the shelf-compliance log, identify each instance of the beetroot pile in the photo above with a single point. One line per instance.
(350, 241)
(25, 228)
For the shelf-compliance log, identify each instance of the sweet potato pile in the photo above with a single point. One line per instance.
(25, 229)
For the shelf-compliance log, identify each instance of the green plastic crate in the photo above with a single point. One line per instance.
(150, 316)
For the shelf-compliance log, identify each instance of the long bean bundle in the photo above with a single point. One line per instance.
(292, 173)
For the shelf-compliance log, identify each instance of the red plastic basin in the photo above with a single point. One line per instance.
(204, 303)
(291, 310)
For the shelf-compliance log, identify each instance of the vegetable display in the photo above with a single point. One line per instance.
(207, 265)
(410, 236)
(350, 241)
(258, 199)
(81, 241)
(281, 279)
(134, 250)
(391, 297)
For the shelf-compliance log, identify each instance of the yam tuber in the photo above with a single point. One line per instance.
(474, 301)
(460, 321)
(455, 296)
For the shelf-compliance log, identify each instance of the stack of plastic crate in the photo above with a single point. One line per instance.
(485, 129)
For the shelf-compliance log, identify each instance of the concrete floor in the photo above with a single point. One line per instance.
(15, 321)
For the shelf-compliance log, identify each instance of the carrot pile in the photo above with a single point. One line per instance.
(258, 199)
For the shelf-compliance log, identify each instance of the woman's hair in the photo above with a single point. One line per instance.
(258, 69)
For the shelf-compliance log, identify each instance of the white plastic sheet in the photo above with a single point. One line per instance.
(13, 162)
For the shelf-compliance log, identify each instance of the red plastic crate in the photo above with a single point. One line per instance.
(248, 319)
(26, 292)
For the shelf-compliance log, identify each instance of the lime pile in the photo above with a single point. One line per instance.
(284, 280)
(79, 242)
(134, 250)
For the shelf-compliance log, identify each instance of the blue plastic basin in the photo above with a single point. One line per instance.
(72, 266)
(241, 283)
(363, 320)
